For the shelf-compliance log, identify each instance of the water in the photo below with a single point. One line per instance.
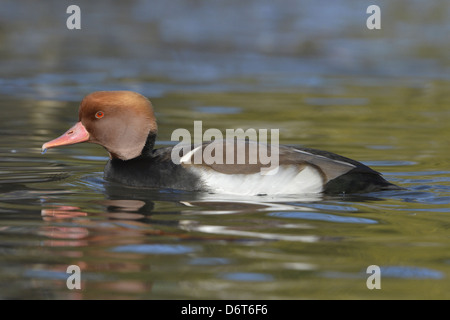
(311, 71)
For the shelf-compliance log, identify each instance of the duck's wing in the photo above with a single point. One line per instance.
(359, 179)
(248, 157)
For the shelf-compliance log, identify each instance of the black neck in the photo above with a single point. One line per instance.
(149, 144)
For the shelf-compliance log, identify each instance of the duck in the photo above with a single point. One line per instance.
(124, 123)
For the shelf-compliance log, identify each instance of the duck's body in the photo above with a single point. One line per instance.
(123, 122)
(156, 169)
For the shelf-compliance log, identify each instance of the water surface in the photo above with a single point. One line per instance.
(332, 86)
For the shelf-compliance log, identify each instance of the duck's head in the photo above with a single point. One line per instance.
(120, 121)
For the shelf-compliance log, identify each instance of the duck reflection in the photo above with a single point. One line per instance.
(131, 230)
(74, 226)
(134, 216)
(130, 215)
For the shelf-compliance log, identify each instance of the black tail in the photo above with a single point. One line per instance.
(359, 182)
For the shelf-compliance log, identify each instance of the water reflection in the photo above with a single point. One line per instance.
(138, 217)
(135, 217)
(143, 243)
(190, 226)
(56, 213)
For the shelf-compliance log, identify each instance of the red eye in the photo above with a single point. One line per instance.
(99, 114)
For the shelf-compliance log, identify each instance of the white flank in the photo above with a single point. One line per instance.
(288, 180)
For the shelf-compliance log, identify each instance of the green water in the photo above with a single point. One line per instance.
(386, 108)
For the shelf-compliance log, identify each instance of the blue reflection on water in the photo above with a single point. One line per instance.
(154, 249)
(410, 272)
(218, 110)
(205, 261)
(322, 217)
(59, 275)
(247, 276)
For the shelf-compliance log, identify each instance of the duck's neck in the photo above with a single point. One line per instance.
(149, 144)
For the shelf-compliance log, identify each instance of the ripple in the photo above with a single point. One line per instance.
(31, 177)
(322, 217)
(242, 233)
(154, 249)
(212, 261)
(381, 147)
(389, 163)
(218, 110)
(410, 272)
(58, 275)
(423, 173)
(91, 158)
(46, 274)
(429, 209)
(247, 276)
(332, 101)
(330, 207)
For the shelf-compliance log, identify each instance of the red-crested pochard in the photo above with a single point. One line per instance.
(123, 123)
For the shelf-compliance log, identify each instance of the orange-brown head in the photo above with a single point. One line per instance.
(120, 121)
